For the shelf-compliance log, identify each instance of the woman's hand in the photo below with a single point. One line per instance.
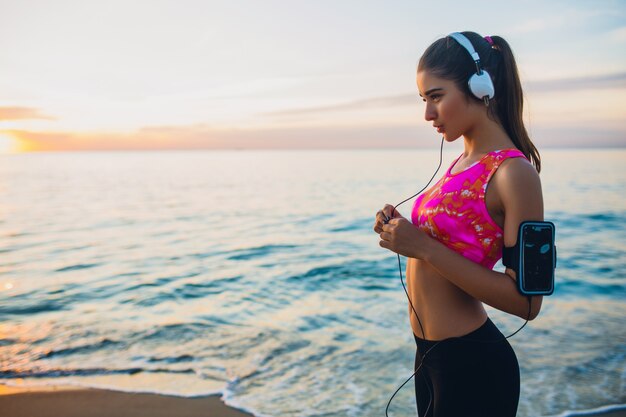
(387, 211)
(402, 237)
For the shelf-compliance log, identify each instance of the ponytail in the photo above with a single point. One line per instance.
(509, 101)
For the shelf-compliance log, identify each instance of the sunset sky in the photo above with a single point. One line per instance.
(83, 75)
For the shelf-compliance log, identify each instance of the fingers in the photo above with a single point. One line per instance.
(383, 216)
(389, 211)
(378, 224)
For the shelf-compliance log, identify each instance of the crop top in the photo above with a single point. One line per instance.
(454, 212)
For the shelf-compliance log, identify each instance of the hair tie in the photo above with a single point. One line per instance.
(488, 39)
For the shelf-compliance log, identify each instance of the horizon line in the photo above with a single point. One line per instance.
(370, 148)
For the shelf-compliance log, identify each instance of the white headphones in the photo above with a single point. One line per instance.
(480, 84)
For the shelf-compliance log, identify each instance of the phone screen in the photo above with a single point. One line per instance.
(538, 258)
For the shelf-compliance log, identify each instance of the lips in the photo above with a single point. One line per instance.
(439, 128)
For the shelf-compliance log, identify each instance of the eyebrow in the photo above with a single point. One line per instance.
(431, 90)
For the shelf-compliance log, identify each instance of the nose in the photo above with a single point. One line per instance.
(430, 112)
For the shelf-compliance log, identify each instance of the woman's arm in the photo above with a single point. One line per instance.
(519, 187)
(496, 289)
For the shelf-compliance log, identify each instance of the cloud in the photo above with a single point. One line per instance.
(384, 136)
(206, 137)
(578, 137)
(568, 18)
(616, 80)
(618, 35)
(368, 103)
(21, 113)
(531, 25)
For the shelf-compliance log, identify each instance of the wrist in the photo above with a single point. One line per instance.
(428, 251)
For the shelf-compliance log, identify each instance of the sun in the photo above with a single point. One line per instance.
(8, 143)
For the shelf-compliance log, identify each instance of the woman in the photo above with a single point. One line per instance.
(458, 228)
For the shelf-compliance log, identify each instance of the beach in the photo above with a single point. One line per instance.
(71, 401)
(80, 402)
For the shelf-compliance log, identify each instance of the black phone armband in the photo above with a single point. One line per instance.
(533, 258)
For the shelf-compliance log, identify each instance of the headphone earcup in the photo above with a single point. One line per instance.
(481, 85)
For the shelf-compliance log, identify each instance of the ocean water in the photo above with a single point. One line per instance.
(256, 274)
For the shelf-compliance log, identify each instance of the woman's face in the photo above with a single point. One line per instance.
(450, 112)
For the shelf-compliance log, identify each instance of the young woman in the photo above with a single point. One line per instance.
(458, 228)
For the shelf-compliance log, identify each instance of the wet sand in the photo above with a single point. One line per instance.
(61, 401)
(82, 402)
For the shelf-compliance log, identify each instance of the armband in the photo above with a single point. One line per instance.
(533, 258)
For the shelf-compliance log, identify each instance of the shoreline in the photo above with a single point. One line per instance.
(608, 411)
(74, 401)
(71, 401)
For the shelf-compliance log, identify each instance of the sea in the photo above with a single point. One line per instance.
(257, 275)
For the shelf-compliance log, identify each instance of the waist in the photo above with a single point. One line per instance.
(486, 332)
(444, 309)
(484, 344)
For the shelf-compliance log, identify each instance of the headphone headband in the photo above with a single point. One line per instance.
(465, 43)
(480, 84)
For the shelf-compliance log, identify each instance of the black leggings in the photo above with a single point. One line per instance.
(462, 377)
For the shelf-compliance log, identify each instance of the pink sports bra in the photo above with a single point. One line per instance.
(454, 212)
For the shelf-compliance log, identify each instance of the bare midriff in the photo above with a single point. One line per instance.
(443, 308)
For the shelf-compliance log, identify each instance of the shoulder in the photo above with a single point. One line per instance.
(517, 172)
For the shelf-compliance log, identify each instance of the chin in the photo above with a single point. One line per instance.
(450, 138)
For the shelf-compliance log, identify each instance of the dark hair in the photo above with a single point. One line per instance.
(445, 58)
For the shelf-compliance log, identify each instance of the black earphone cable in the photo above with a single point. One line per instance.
(423, 359)
(387, 221)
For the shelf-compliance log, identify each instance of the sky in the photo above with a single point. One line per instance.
(187, 74)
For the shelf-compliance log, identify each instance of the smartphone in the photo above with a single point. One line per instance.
(537, 258)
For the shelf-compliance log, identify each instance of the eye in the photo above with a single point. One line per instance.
(433, 97)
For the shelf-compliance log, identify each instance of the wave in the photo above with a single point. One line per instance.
(172, 359)
(7, 342)
(578, 287)
(63, 297)
(592, 412)
(76, 267)
(183, 332)
(279, 352)
(103, 344)
(361, 224)
(585, 222)
(189, 290)
(27, 307)
(56, 373)
(319, 321)
(258, 252)
(360, 274)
